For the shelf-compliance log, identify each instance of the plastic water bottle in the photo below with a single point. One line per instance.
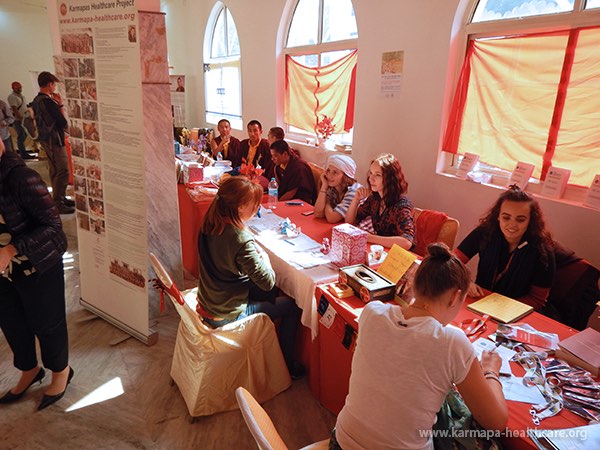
(273, 194)
(219, 156)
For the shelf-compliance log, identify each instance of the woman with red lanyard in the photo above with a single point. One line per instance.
(516, 252)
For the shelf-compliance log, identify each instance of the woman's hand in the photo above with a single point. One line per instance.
(362, 193)
(491, 361)
(6, 254)
(475, 291)
(324, 182)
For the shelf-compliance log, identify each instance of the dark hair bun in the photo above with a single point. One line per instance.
(439, 250)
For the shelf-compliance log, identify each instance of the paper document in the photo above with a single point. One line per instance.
(515, 390)
(506, 354)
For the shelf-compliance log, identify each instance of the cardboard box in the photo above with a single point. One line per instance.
(348, 245)
(367, 283)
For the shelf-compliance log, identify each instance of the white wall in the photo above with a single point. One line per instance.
(26, 45)
(409, 126)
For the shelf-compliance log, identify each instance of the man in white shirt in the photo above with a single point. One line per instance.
(18, 104)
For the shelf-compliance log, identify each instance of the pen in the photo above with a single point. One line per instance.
(289, 242)
(258, 212)
(498, 344)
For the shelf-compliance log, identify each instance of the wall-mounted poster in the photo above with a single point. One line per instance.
(392, 67)
(178, 99)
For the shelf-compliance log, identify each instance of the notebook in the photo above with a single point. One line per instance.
(501, 308)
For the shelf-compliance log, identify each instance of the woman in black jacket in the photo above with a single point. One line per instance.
(32, 286)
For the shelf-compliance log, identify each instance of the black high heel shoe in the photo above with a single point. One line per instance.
(9, 397)
(48, 400)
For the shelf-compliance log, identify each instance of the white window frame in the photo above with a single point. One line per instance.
(318, 48)
(579, 17)
(236, 122)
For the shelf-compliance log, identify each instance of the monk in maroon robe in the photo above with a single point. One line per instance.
(293, 174)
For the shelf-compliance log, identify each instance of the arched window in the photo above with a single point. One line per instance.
(222, 77)
(528, 89)
(321, 55)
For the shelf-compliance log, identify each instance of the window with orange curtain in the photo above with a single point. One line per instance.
(527, 96)
(320, 68)
(314, 92)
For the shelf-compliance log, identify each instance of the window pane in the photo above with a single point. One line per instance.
(305, 24)
(232, 36)
(592, 4)
(339, 22)
(218, 46)
(222, 85)
(509, 9)
(307, 60)
(331, 57)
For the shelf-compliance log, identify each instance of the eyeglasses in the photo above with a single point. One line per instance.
(473, 328)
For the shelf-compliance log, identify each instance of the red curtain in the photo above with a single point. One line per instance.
(530, 98)
(311, 92)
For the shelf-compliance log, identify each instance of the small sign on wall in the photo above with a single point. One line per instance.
(556, 182)
(593, 195)
(521, 175)
(467, 164)
(392, 67)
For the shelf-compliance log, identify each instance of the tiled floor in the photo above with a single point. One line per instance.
(149, 414)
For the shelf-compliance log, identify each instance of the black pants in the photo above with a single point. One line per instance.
(21, 137)
(34, 306)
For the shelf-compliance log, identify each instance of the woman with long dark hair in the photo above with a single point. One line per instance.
(387, 213)
(516, 251)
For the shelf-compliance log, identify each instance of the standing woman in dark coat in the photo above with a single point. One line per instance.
(32, 285)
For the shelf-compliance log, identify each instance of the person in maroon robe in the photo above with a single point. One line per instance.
(255, 150)
(226, 144)
(292, 173)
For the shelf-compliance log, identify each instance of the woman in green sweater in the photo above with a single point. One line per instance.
(236, 277)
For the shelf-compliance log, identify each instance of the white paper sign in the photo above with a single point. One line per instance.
(521, 175)
(556, 182)
(593, 195)
(466, 165)
(328, 318)
(506, 354)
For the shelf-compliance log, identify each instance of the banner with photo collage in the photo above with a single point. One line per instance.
(100, 68)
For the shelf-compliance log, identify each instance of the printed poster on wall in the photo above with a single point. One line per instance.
(392, 67)
(102, 80)
(178, 99)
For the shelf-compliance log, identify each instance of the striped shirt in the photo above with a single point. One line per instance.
(342, 207)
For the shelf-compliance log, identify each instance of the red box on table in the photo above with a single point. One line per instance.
(348, 245)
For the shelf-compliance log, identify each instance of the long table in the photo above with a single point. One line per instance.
(335, 367)
(300, 284)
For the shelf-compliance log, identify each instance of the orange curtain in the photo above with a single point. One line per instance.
(312, 92)
(530, 98)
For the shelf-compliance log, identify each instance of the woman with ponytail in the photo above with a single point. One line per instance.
(407, 360)
(236, 277)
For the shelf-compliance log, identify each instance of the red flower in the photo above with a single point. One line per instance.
(249, 171)
(325, 127)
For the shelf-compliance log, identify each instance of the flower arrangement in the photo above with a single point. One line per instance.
(249, 171)
(325, 127)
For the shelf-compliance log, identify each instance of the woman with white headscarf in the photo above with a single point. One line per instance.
(338, 187)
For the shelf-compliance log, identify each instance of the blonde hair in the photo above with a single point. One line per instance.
(233, 193)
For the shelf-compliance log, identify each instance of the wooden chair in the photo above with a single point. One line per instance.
(446, 232)
(317, 171)
(262, 428)
(208, 363)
